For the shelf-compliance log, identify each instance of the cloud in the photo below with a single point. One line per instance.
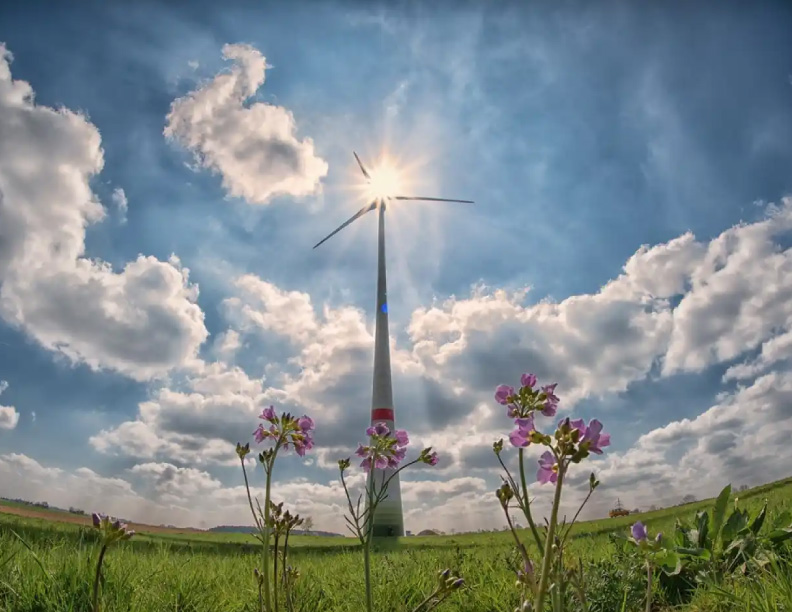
(9, 417)
(254, 146)
(140, 321)
(741, 297)
(121, 203)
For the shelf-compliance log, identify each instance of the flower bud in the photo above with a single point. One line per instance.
(242, 450)
(458, 583)
(497, 447)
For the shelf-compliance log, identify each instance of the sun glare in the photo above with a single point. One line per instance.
(385, 181)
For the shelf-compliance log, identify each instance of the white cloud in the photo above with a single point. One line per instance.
(460, 349)
(9, 417)
(121, 203)
(254, 147)
(741, 296)
(141, 321)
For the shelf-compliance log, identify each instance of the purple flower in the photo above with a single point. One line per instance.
(639, 531)
(402, 439)
(362, 451)
(302, 445)
(549, 391)
(503, 393)
(269, 414)
(305, 424)
(432, 458)
(520, 437)
(512, 411)
(528, 380)
(595, 437)
(548, 468)
(380, 429)
(97, 519)
(396, 458)
(549, 408)
(261, 434)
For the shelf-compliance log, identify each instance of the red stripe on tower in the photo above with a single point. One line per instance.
(382, 414)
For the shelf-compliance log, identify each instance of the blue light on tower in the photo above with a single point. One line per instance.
(385, 308)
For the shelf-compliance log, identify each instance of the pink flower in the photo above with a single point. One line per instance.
(520, 437)
(503, 393)
(528, 380)
(548, 468)
(269, 414)
(305, 424)
(401, 437)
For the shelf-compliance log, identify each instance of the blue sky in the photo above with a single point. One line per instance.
(582, 132)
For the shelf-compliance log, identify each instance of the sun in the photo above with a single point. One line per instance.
(386, 181)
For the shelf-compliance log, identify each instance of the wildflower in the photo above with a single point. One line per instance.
(503, 393)
(384, 450)
(112, 531)
(528, 380)
(520, 437)
(380, 429)
(549, 408)
(286, 430)
(549, 393)
(548, 468)
(594, 437)
(429, 457)
(639, 531)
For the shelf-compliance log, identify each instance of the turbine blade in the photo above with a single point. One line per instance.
(358, 214)
(362, 167)
(417, 199)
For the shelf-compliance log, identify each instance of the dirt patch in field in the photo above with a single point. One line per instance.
(76, 519)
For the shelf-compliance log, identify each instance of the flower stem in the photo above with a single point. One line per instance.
(546, 561)
(527, 506)
(367, 544)
(96, 579)
(648, 587)
(266, 559)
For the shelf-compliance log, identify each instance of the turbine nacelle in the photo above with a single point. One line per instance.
(379, 199)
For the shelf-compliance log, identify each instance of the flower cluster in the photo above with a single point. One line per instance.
(523, 402)
(285, 430)
(384, 450)
(573, 439)
(112, 530)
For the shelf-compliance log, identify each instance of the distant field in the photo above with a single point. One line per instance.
(164, 569)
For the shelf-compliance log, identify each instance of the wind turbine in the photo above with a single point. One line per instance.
(388, 520)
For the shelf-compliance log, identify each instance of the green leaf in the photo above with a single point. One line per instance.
(759, 520)
(669, 561)
(734, 524)
(718, 514)
(698, 553)
(782, 520)
(702, 522)
(780, 535)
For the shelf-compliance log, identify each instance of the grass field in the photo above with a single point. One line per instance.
(47, 564)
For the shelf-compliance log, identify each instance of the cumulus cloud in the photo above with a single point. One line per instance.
(741, 296)
(9, 417)
(254, 147)
(141, 321)
(458, 350)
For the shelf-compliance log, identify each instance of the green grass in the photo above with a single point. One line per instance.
(212, 572)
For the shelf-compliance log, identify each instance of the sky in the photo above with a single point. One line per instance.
(165, 172)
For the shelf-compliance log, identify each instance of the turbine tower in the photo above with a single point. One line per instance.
(388, 519)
